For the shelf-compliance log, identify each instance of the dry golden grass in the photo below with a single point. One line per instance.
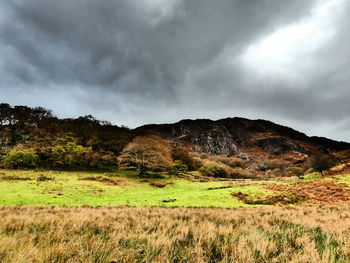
(153, 234)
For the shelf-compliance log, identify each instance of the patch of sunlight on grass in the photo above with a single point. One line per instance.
(69, 189)
(312, 176)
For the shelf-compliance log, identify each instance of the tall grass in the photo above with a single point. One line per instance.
(153, 234)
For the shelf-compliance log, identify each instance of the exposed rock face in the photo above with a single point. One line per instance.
(278, 145)
(201, 136)
(235, 135)
(217, 140)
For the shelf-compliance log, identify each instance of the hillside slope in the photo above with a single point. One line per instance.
(232, 136)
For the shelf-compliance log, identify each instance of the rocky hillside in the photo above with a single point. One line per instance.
(239, 136)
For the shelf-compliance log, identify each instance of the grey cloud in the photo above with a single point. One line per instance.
(132, 63)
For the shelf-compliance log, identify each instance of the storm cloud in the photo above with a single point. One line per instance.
(150, 61)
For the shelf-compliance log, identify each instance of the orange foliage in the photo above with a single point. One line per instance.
(146, 153)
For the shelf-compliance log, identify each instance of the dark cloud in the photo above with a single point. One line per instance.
(140, 61)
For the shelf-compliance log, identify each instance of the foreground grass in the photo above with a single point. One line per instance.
(154, 234)
(118, 188)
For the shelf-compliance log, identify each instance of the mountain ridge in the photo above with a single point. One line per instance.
(231, 136)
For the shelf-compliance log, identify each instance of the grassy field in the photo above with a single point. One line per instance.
(52, 216)
(153, 234)
(30, 187)
(118, 188)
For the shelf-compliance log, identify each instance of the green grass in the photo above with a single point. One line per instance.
(312, 176)
(67, 189)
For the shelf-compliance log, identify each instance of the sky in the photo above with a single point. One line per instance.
(134, 62)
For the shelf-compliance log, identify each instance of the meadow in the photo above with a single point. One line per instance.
(30, 187)
(310, 234)
(56, 216)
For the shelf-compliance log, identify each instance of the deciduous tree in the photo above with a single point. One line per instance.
(144, 154)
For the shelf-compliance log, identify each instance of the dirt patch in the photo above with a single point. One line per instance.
(160, 184)
(168, 201)
(220, 187)
(15, 178)
(43, 178)
(102, 179)
(319, 191)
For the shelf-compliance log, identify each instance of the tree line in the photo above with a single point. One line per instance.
(35, 138)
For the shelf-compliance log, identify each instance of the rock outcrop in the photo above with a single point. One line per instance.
(232, 136)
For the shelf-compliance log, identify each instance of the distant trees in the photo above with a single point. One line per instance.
(146, 153)
(82, 142)
(22, 114)
(20, 159)
(321, 163)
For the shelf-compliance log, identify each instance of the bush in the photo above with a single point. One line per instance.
(103, 160)
(272, 164)
(277, 172)
(296, 171)
(241, 173)
(213, 169)
(321, 163)
(180, 154)
(20, 159)
(232, 162)
(198, 162)
(178, 167)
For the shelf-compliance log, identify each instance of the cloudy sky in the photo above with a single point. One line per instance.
(151, 61)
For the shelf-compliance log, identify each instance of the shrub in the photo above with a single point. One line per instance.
(180, 154)
(198, 162)
(20, 159)
(241, 173)
(232, 162)
(296, 171)
(103, 160)
(321, 163)
(277, 172)
(213, 169)
(272, 164)
(178, 167)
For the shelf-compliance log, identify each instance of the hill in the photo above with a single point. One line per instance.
(235, 135)
(87, 143)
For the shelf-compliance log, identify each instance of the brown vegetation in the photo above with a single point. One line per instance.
(160, 184)
(125, 234)
(283, 198)
(147, 153)
(319, 191)
(103, 179)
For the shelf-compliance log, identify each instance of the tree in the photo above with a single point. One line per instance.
(146, 153)
(20, 159)
(66, 152)
(321, 163)
(180, 154)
